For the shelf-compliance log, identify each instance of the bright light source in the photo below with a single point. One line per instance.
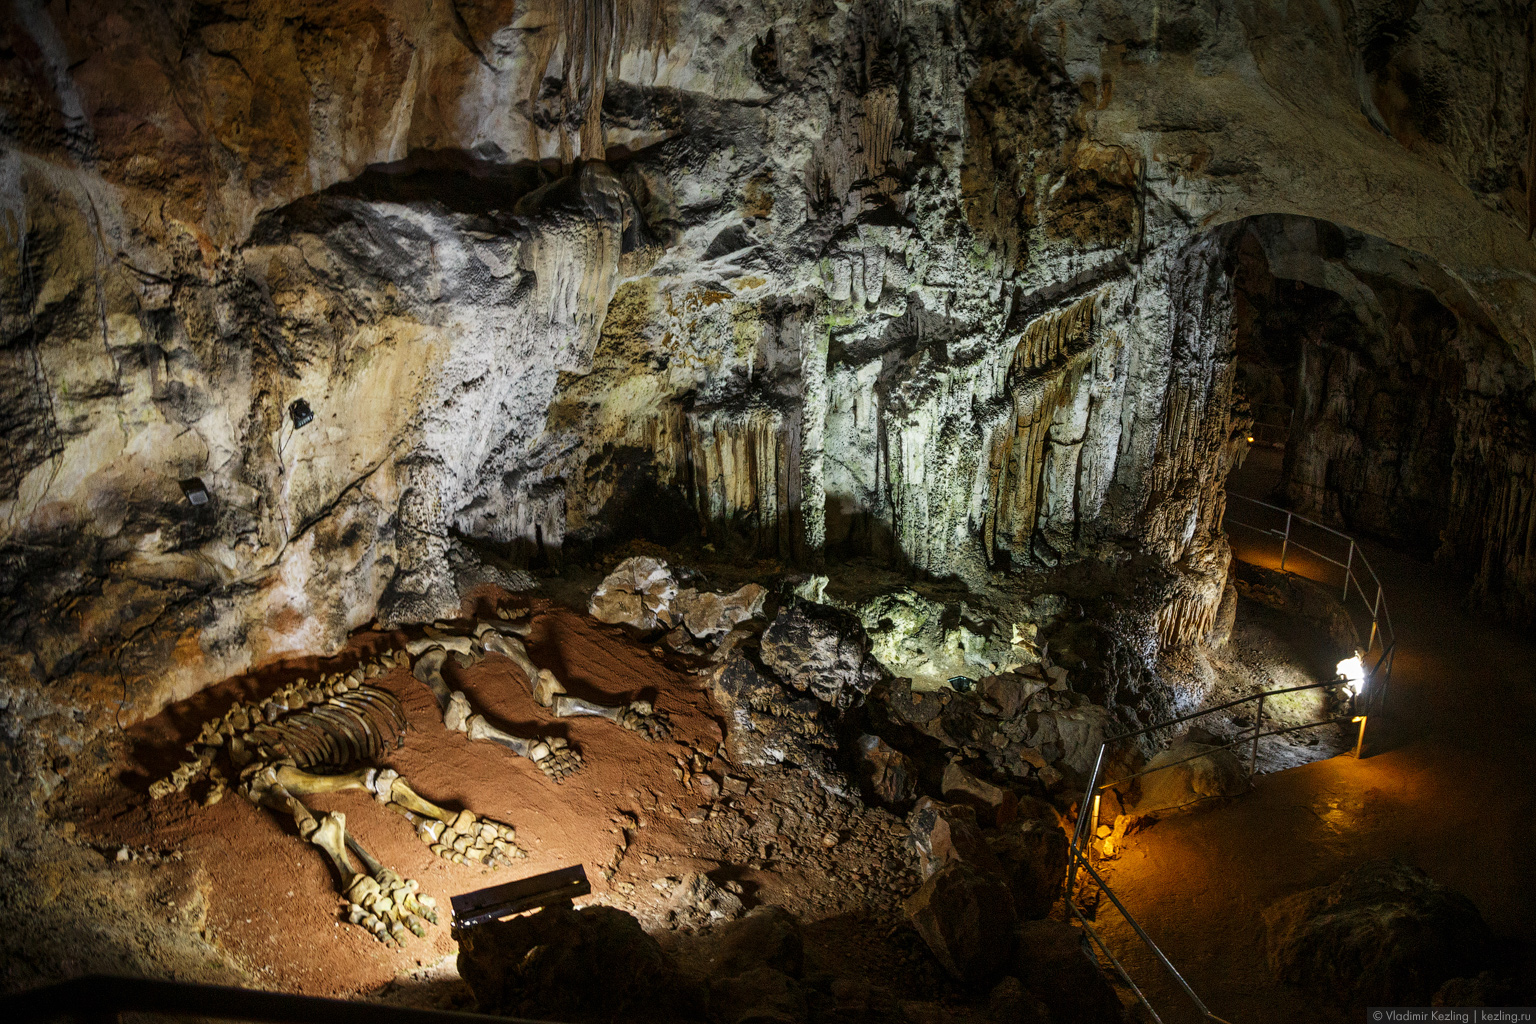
(1353, 671)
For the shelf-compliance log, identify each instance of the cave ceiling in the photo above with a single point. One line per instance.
(944, 285)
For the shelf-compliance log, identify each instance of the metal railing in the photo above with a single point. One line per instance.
(1366, 584)
(1271, 424)
(1366, 698)
(99, 999)
(1088, 812)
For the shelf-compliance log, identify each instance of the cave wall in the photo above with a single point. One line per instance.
(946, 284)
(1412, 416)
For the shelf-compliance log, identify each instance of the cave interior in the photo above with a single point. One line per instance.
(934, 507)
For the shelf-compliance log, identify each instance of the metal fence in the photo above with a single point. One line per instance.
(1271, 424)
(1320, 546)
(1317, 545)
(1088, 811)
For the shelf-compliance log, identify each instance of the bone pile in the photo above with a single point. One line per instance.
(553, 754)
(349, 723)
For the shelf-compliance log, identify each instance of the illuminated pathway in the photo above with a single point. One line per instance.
(1451, 793)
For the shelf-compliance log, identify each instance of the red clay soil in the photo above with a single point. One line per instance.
(271, 899)
(1449, 789)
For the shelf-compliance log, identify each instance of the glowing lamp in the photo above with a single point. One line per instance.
(1353, 672)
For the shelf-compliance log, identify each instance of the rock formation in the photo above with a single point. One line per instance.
(317, 316)
(1382, 934)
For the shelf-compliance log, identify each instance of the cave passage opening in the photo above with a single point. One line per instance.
(1373, 381)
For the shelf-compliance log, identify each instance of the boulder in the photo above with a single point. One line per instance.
(639, 592)
(1011, 1003)
(1054, 966)
(1383, 934)
(767, 723)
(941, 833)
(698, 902)
(760, 995)
(707, 615)
(994, 805)
(1216, 773)
(766, 936)
(1033, 855)
(822, 650)
(886, 775)
(1010, 691)
(541, 965)
(856, 1001)
(966, 917)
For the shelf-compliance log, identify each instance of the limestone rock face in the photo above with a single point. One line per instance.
(823, 650)
(949, 286)
(766, 723)
(1208, 772)
(1383, 934)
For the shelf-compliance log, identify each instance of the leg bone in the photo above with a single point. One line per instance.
(639, 716)
(428, 669)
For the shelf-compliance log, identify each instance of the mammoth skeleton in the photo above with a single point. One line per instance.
(330, 735)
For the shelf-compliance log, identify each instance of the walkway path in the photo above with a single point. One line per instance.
(1452, 791)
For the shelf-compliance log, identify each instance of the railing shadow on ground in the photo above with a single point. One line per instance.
(1288, 533)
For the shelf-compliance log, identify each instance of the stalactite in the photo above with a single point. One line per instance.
(1186, 619)
(593, 35)
(877, 130)
(1492, 523)
(746, 475)
(1040, 381)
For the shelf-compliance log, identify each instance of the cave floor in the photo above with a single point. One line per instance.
(239, 879)
(1447, 787)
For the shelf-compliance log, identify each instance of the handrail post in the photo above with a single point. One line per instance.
(1375, 618)
(1349, 562)
(1083, 812)
(1285, 542)
(1258, 726)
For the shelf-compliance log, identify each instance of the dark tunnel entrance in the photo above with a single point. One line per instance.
(1354, 369)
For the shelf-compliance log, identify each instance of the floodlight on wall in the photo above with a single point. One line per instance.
(300, 412)
(194, 490)
(1352, 671)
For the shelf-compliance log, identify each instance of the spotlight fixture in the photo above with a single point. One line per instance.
(1352, 671)
(195, 491)
(300, 412)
